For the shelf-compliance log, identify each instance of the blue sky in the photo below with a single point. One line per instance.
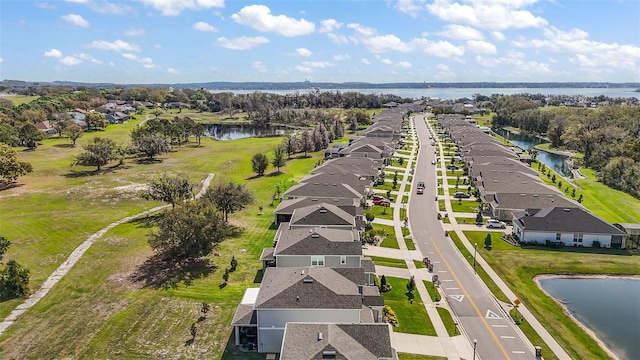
(377, 41)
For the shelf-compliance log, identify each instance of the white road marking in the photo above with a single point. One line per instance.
(518, 352)
(452, 288)
(442, 271)
(507, 337)
(446, 280)
(457, 298)
(500, 326)
(491, 315)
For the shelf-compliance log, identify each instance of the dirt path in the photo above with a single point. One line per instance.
(64, 268)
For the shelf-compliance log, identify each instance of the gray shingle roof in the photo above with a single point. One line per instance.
(567, 220)
(529, 200)
(324, 191)
(322, 214)
(368, 265)
(317, 241)
(350, 205)
(302, 341)
(307, 288)
(244, 315)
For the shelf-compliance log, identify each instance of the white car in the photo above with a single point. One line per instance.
(433, 162)
(493, 223)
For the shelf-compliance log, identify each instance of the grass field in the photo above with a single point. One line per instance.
(381, 212)
(20, 99)
(383, 261)
(412, 316)
(388, 233)
(447, 319)
(110, 303)
(405, 356)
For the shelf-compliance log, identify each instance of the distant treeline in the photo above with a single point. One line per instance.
(304, 85)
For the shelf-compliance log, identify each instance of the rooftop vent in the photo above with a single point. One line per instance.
(302, 272)
(319, 336)
(328, 354)
(323, 210)
(308, 281)
(314, 199)
(567, 210)
(314, 235)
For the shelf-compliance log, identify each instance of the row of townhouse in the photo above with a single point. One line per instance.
(318, 298)
(512, 191)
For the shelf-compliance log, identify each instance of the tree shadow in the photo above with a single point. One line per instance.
(273, 226)
(64, 146)
(72, 174)
(9, 185)
(147, 161)
(159, 273)
(148, 221)
(253, 177)
(189, 342)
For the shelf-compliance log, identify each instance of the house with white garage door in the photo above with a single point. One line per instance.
(572, 226)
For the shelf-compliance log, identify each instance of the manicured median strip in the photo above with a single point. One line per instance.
(390, 262)
(412, 316)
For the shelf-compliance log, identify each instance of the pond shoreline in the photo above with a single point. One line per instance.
(566, 310)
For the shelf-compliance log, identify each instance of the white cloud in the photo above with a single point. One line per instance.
(489, 14)
(53, 53)
(259, 66)
(516, 63)
(386, 61)
(408, 6)
(259, 17)
(1, 60)
(363, 31)
(303, 52)
(157, 46)
(444, 72)
(586, 53)
(439, 48)
(117, 45)
(134, 32)
(317, 64)
(84, 56)
(461, 32)
(329, 25)
(75, 19)
(96, 61)
(338, 39)
(44, 5)
(340, 57)
(105, 7)
(242, 43)
(498, 35)
(203, 26)
(303, 69)
(404, 64)
(365, 61)
(147, 62)
(480, 47)
(172, 71)
(70, 60)
(175, 7)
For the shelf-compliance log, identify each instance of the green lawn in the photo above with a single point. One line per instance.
(464, 205)
(447, 319)
(418, 264)
(468, 220)
(610, 204)
(383, 261)
(388, 185)
(99, 303)
(20, 99)
(381, 212)
(412, 317)
(406, 356)
(434, 294)
(409, 243)
(388, 232)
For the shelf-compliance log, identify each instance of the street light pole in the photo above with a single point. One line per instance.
(475, 344)
(475, 250)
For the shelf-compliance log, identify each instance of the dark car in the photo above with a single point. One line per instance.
(461, 195)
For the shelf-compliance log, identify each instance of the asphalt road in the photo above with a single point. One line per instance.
(478, 312)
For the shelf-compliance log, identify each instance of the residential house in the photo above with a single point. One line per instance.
(325, 191)
(117, 117)
(304, 294)
(323, 215)
(572, 226)
(363, 167)
(46, 128)
(311, 341)
(285, 209)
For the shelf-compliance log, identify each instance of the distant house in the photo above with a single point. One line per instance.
(285, 209)
(572, 226)
(323, 215)
(46, 128)
(117, 117)
(178, 105)
(311, 341)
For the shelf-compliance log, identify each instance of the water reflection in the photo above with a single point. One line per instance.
(556, 162)
(241, 131)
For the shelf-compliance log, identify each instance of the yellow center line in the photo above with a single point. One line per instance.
(484, 321)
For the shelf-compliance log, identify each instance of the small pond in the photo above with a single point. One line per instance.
(556, 162)
(241, 131)
(610, 307)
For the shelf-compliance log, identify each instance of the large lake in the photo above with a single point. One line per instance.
(458, 93)
(610, 307)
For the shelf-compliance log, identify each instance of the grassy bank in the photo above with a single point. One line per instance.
(111, 303)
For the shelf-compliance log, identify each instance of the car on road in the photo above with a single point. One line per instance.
(452, 167)
(494, 223)
(433, 162)
(420, 188)
(461, 195)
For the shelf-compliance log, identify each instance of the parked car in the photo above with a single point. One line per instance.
(461, 195)
(452, 167)
(433, 162)
(494, 223)
(420, 188)
(383, 202)
(377, 197)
